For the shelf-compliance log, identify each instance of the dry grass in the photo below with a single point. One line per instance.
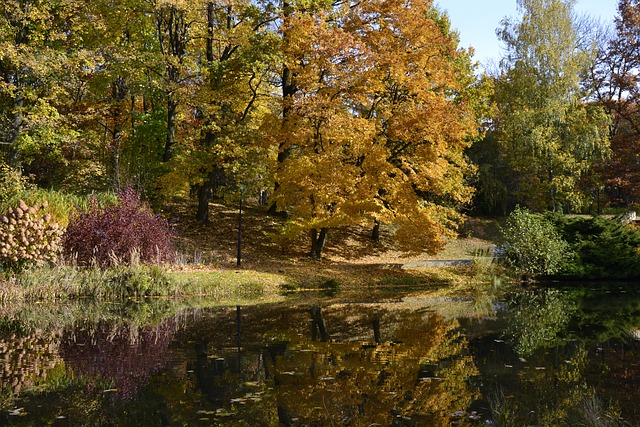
(350, 256)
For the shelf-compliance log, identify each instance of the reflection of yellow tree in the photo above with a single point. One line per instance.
(421, 373)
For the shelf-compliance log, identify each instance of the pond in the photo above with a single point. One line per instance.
(540, 358)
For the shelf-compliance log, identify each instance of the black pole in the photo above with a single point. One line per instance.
(239, 339)
(239, 255)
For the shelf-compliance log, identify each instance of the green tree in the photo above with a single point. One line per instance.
(603, 248)
(36, 38)
(548, 131)
(108, 91)
(539, 320)
(75, 83)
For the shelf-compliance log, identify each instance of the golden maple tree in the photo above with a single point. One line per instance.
(383, 108)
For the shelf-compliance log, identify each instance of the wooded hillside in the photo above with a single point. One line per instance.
(333, 113)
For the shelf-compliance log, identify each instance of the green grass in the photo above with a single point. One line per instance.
(229, 284)
(134, 282)
(61, 205)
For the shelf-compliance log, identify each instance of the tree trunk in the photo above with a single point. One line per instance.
(115, 147)
(119, 92)
(288, 90)
(16, 129)
(318, 239)
(318, 325)
(171, 129)
(204, 189)
(375, 233)
(146, 105)
(376, 330)
(210, 30)
(133, 116)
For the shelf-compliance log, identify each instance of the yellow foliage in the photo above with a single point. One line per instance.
(376, 128)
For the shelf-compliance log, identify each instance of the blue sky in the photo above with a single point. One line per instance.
(477, 20)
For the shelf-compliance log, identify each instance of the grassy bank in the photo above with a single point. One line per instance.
(206, 265)
(135, 282)
(63, 283)
(352, 261)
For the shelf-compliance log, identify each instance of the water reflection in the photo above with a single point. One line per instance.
(417, 374)
(121, 355)
(26, 357)
(538, 319)
(543, 358)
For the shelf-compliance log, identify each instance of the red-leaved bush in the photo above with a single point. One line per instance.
(118, 233)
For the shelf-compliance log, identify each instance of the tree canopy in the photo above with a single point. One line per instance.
(376, 129)
(551, 135)
(361, 113)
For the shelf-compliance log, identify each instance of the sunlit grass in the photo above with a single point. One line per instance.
(66, 282)
(205, 265)
(229, 284)
(61, 205)
(136, 281)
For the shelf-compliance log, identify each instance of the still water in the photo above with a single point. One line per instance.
(539, 358)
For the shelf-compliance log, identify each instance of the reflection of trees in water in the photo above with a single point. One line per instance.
(614, 369)
(121, 353)
(367, 364)
(97, 356)
(339, 364)
(538, 319)
(418, 373)
(556, 388)
(564, 367)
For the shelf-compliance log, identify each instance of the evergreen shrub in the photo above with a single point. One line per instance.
(603, 248)
(28, 237)
(123, 233)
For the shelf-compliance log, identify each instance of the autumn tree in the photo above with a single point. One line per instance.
(548, 131)
(614, 78)
(227, 82)
(239, 69)
(376, 127)
(35, 40)
(104, 88)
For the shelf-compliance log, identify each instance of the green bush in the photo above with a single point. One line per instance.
(532, 245)
(12, 182)
(538, 320)
(603, 248)
(28, 237)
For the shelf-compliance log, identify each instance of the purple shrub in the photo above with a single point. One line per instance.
(118, 233)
